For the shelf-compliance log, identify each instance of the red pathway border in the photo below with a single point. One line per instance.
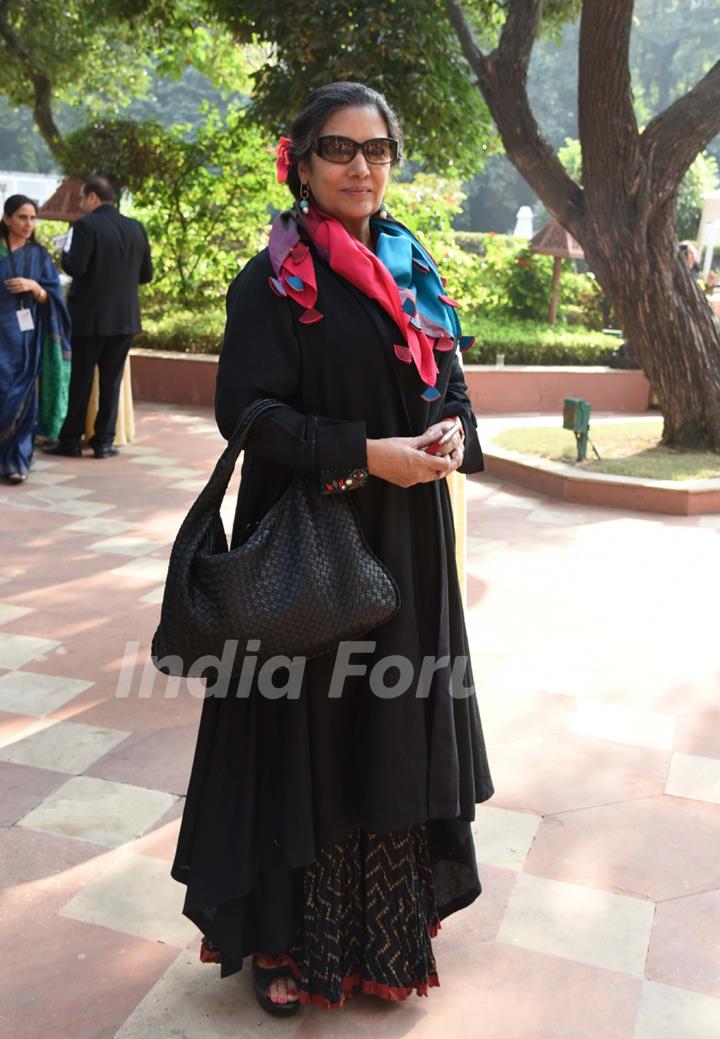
(176, 378)
(676, 498)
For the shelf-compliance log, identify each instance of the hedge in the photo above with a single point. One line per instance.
(528, 342)
(522, 342)
(186, 331)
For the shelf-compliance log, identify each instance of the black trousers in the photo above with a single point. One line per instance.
(108, 353)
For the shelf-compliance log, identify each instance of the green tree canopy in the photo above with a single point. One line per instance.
(53, 49)
(403, 48)
(98, 55)
(205, 201)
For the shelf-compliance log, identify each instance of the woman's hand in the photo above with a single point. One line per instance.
(451, 437)
(404, 461)
(26, 285)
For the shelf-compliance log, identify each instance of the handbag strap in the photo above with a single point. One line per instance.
(212, 494)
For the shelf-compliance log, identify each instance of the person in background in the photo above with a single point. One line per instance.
(34, 340)
(108, 258)
(692, 258)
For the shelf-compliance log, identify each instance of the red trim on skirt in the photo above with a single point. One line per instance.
(353, 982)
(368, 986)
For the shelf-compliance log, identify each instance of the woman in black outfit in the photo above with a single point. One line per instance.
(328, 834)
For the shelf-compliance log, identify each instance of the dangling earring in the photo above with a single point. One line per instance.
(382, 211)
(304, 204)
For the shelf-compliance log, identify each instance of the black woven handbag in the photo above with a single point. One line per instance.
(303, 581)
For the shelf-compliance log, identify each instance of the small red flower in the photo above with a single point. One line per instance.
(283, 159)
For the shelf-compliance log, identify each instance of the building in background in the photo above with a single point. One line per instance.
(37, 186)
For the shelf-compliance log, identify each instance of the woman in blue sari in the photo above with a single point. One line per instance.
(34, 340)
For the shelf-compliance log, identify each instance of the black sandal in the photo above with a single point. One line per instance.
(263, 978)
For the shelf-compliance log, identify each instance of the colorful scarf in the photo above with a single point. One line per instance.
(400, 275)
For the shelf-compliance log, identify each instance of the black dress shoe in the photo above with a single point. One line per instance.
(67, 450)
(105, 452)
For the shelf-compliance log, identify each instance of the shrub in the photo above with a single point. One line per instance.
(582, 301)
(499, 276)
(527, 285)
(187, 331)
(526, 342)
(476, 280)
(471, 242)
(426, 204)
(522, 342)
(207, 210)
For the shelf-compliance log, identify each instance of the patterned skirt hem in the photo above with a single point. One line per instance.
(369, 987)
(366, 921)
(350, 984)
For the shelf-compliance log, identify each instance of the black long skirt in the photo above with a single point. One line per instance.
(277, 784)
(366, 920)
(252, 884)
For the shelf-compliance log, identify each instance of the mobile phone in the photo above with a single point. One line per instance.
(447, 435)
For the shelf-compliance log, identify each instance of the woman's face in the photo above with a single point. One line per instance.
(22, 222)
(352, 191)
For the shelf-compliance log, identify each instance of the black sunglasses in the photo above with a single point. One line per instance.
(378, 152)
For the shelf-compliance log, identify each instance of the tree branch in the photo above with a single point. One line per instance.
(41, 85)
(607, 125)
(518, 35)
(674, 138)
(502, 79)
(43, 114)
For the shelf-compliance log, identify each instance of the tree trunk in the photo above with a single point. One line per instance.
(41, 85)
(555, 290)
(624, 214)
(670, 326)
(627, 229)
(43, 115)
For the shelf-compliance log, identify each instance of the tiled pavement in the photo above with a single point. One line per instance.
(596, 655)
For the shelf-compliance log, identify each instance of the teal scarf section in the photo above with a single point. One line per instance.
(414, 270)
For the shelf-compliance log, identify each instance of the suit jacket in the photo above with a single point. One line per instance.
(108, 258)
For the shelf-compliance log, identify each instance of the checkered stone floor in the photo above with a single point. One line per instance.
(595, 655)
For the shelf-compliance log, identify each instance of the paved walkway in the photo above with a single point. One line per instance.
(595, 639)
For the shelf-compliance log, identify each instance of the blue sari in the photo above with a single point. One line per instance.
(35, 364)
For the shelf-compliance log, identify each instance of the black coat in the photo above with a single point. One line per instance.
(274, 780)
(108, 258)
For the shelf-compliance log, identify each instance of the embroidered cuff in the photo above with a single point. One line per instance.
(333, 482)
(341, 455)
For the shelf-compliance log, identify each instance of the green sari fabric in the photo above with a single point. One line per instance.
(53, 387)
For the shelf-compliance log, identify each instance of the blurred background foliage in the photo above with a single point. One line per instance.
(181, 101)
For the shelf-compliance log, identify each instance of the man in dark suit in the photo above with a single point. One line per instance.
(108, 258)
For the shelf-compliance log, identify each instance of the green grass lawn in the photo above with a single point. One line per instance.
(626, 449)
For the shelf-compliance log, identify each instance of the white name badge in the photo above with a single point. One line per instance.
(25, 320)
